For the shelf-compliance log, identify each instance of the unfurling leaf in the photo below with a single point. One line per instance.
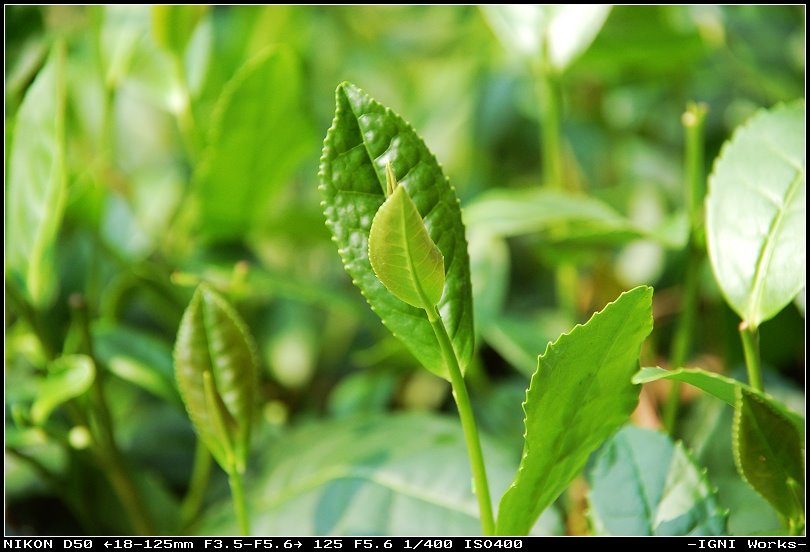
(401, 252)
(216, 367)
(365, 137)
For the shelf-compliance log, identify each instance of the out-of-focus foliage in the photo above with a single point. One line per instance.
(663, 491)
(149, 149)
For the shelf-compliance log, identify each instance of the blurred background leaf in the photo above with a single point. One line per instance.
(349, 477)
(663, 491)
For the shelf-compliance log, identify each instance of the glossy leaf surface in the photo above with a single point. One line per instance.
(364, 137)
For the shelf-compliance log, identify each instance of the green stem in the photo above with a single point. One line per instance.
(549, 101)
(693, 121)
(682, 342)
(468, 424)
(239, 504)
(105, 443)
(200, 475)
(750, 341)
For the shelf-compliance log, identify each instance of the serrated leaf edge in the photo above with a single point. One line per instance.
(744, 127)
(222, 451)
(575, 329)
(322, 190)
(735, 432)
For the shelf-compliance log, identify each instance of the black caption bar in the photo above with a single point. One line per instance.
(369, 544)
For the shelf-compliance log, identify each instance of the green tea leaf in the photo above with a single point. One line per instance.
(217, 368)
(402, 254)
(579, 395)
(174, 25)
(706, 427)
(509, 213)
(363, 138)
(722, 387)
(558, 33)
(258, 136)
(68, 377)
(37, 189)
(755, 214)
(663, 491)
(768, 454)
(404, 474)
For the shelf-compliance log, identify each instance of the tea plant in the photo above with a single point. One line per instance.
(396, 253)
(186, 355)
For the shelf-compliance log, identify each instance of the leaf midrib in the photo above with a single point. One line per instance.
(637, 470)
(764, 440)
(372, 159)
(408, 254)
(765, 254)
(543, 491)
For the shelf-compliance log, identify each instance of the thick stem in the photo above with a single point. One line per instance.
(468, 424)
(693, 121)
(239, 504)
(750, 341)
(200, 474)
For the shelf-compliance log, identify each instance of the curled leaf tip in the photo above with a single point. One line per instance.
(390, 180)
